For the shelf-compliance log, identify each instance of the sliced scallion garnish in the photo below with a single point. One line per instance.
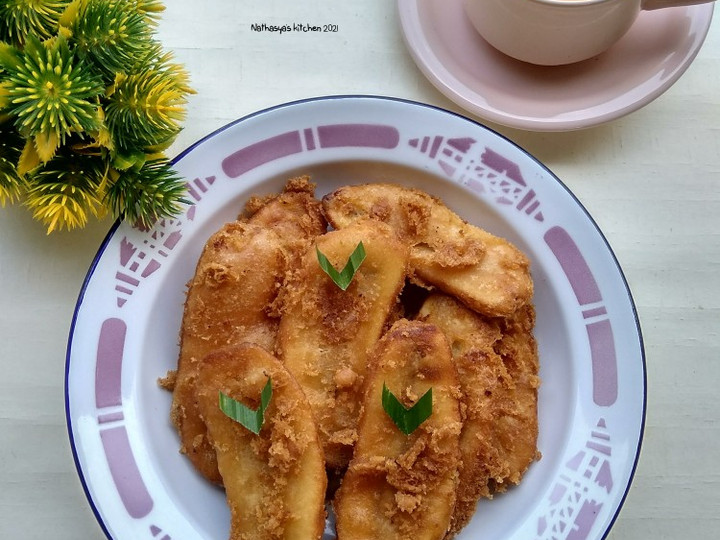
(343, 278)
(407, 420)
(249, 418)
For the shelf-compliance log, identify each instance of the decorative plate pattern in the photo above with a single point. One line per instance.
(124, 333)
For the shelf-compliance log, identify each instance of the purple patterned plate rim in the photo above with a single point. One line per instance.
(594, 310)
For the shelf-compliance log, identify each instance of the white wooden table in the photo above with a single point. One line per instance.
(651, 180)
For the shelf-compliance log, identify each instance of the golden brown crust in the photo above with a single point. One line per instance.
(326, 333)
(300, 188)
(259, 290)
(403, 486)
(497, 366)
(226, 304)
(275, 481)
(232, 299)
(168, 381)
(485, 272)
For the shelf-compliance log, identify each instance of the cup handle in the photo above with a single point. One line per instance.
(657, 4)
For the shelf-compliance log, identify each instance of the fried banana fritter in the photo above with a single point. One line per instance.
(233, 295)
(226, 303)
(485, 272)
(402, 487)
(259, 290)
(497, 365)
(326, 333)
(275, 481)
(294, 215)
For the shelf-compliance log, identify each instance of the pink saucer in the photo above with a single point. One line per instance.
(647, 61)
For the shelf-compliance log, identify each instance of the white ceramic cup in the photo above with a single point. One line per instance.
(557, 32)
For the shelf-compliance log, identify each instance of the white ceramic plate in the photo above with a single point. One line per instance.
(125, 331)
(647, 61)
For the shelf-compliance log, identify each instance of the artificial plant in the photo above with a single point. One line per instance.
(89, 101)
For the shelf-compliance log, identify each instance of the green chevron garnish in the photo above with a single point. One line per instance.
(343, 278)
(249, 418)
(407, 420)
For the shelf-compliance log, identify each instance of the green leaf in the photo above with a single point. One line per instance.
(12, 185)
(249, 418)
(125, 161)
(110, 35)
(65, 191)
(343, 278)
(145, 109)
(22, 18)
(407, 420)
(9, 56)
(144, 196)
(49, 90)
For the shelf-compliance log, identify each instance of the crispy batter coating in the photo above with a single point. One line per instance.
(497, 366)
(226, 303)
(402, 487)
(486, 272)
(295, 216)
(326, 333)
(275, 481)
(259, 289)
(233, 298)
